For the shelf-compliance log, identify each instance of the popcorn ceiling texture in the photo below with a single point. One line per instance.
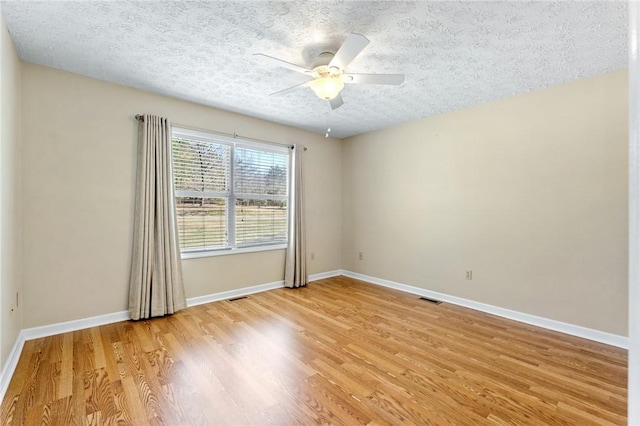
(454, 54)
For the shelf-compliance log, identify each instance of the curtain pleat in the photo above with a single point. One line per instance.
(295, 262)
(156, 287)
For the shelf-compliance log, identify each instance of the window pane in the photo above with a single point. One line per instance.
(200, 166)
(260, 173)
(210, 200)
(260, 221)
(201, 222)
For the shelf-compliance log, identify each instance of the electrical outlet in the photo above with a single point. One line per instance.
(360, 256)
(468, 275)
(313, 256)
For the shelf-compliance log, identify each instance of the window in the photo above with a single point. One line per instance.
(230, 194)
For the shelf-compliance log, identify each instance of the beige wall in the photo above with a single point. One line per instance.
(528, 192)
(10, 222)
(79, 156)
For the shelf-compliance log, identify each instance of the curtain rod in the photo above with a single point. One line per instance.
(233, 135)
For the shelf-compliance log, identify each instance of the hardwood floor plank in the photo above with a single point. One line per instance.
(36, 414)
(348, 383)
(338, 351)
(99, 359)
(338, 402)
(28, 390)
(47, 380)
(136, 409)
(211, 381)
(62, 412)
(65, 384)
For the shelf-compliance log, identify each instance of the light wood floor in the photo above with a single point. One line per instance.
(336, 352)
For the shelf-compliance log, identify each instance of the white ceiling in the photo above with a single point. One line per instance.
(454, 54)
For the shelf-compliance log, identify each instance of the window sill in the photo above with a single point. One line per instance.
(226, 252)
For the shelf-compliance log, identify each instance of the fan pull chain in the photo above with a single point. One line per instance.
(326, 135)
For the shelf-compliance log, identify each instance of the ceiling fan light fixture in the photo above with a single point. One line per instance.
(327, 87)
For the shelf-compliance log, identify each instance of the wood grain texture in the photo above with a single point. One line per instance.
(338, 351)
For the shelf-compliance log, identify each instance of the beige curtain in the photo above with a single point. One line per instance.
(156, 287)
(295, 268)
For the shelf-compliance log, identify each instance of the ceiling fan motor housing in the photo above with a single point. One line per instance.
(323, 59)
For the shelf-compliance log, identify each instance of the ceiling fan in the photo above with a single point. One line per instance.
(328, 76)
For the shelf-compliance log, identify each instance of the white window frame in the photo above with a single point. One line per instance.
(233, 143)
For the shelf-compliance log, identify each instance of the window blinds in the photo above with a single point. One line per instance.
(229, 195)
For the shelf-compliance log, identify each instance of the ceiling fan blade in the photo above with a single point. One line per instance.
(291, 89)
(352, 46)
(390, 79)
(285, 64)
(336, 102)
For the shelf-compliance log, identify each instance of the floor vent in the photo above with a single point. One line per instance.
(237, 298)
(434, 301)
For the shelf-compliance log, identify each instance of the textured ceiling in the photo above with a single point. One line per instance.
(454, 54)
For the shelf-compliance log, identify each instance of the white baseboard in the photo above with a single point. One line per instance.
(323, 275)
(208, 298)
(574, 330)
(224, 295)
(80, 324)
(11, 364)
